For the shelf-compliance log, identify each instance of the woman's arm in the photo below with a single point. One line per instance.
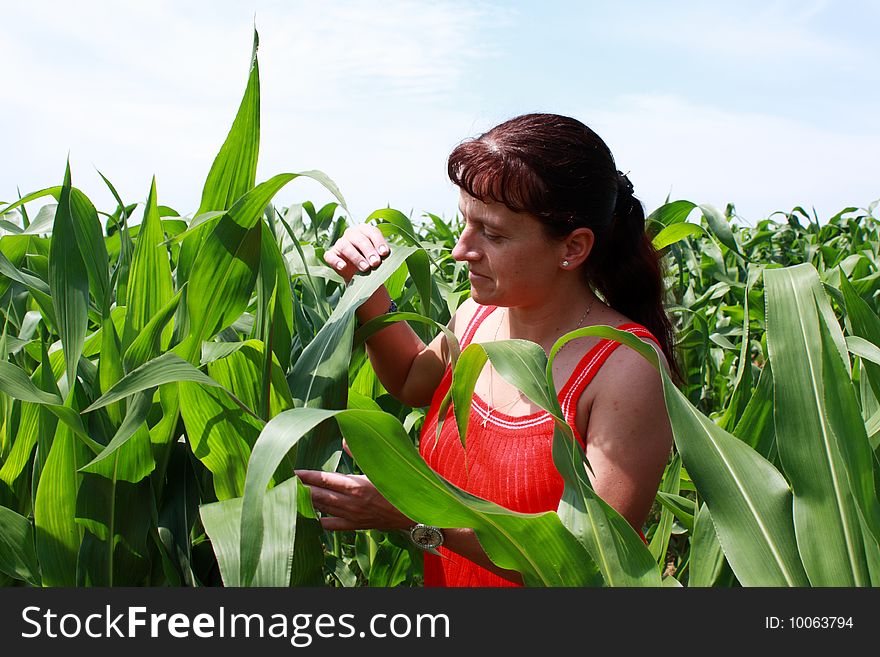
(353, 502)
(409, 369)
(629, 436)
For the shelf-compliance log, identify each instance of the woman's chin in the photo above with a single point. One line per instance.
(482, 296)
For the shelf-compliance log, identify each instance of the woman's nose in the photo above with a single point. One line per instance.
(463, 249)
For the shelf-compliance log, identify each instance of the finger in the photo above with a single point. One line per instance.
(378, 239)
(329, 502)
(332, 258)
(329, 480)
(352, 254)
(334, 524)
(362, 240)
(345, 447)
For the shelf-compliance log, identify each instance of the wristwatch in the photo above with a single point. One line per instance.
(426, 536)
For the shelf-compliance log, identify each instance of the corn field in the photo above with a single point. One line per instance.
(162, 376)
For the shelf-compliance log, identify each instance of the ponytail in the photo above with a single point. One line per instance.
(624, 267)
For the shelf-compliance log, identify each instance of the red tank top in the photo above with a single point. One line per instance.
(509, 458)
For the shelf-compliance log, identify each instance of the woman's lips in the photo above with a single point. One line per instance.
(472, 275)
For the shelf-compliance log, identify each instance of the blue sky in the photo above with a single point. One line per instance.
(767, 105)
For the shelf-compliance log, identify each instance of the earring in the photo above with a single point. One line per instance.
(565, 263)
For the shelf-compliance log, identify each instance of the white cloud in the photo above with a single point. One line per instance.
(377, 93)
(137, 89)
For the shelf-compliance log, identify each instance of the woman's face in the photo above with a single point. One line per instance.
(511, 260)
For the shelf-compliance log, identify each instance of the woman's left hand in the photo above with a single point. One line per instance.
(350, 502)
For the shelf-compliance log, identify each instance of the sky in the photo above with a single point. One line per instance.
(765, 104)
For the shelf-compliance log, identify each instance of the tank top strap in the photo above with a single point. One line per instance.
(482, 313)
(589, 365)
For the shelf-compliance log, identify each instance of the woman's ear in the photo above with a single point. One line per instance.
(578, 245)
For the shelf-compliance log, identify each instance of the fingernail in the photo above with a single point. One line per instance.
(383, 249)
(340, 265)
(374, 260)
(363, 265)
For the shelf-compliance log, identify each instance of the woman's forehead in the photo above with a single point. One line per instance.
(474, 208)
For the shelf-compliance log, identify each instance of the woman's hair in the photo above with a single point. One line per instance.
(558, 170)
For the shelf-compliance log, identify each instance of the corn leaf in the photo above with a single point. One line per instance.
(675, 233)
(90, 243)
(749, 500)
(319, 378)
(58, 535)
(167, 368)
(69, 283)
(220, 435)
(849, 434)
(808, 450)
(150, 286)
(18, 557)
(222, 522)
(706, 557)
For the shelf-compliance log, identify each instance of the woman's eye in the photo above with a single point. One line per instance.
(492, 237)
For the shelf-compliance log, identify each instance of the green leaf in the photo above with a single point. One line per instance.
(220, 436)
(18, 558)
(225, 269)
(22, 447)
(756, 427)
(865, 324)
(167, 368)
(720, 226)
(222, 522)
(110, 368)
(151, 340)
(672, 213)
(69, 283)
(128, 455)
(669, 485)
(749, 499)
(808, 450)
(234, 170)
(15, 383)
(682, 508)
(275, 319)
(150, 285)
(117, 517)
(90, 243)
(58, 535)
(675, 233)
(243, 373)
(848, 431)
(706, 557)
(613, 544)
(319, 378)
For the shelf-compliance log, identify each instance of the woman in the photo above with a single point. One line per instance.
(549, 221)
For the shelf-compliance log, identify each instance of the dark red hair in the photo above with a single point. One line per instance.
(561, 172)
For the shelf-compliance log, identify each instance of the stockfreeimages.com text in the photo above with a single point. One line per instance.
(299, 629)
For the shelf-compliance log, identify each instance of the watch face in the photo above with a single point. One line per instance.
(426, 537)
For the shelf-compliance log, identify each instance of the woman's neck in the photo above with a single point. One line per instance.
(564, 311)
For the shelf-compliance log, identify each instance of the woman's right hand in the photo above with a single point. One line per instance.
(360, 248)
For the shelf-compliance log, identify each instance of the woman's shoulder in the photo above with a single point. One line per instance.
(628, 372)
(621, 366)
(468, 311)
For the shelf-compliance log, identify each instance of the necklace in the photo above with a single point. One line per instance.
(491, 405)
(579, 324)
